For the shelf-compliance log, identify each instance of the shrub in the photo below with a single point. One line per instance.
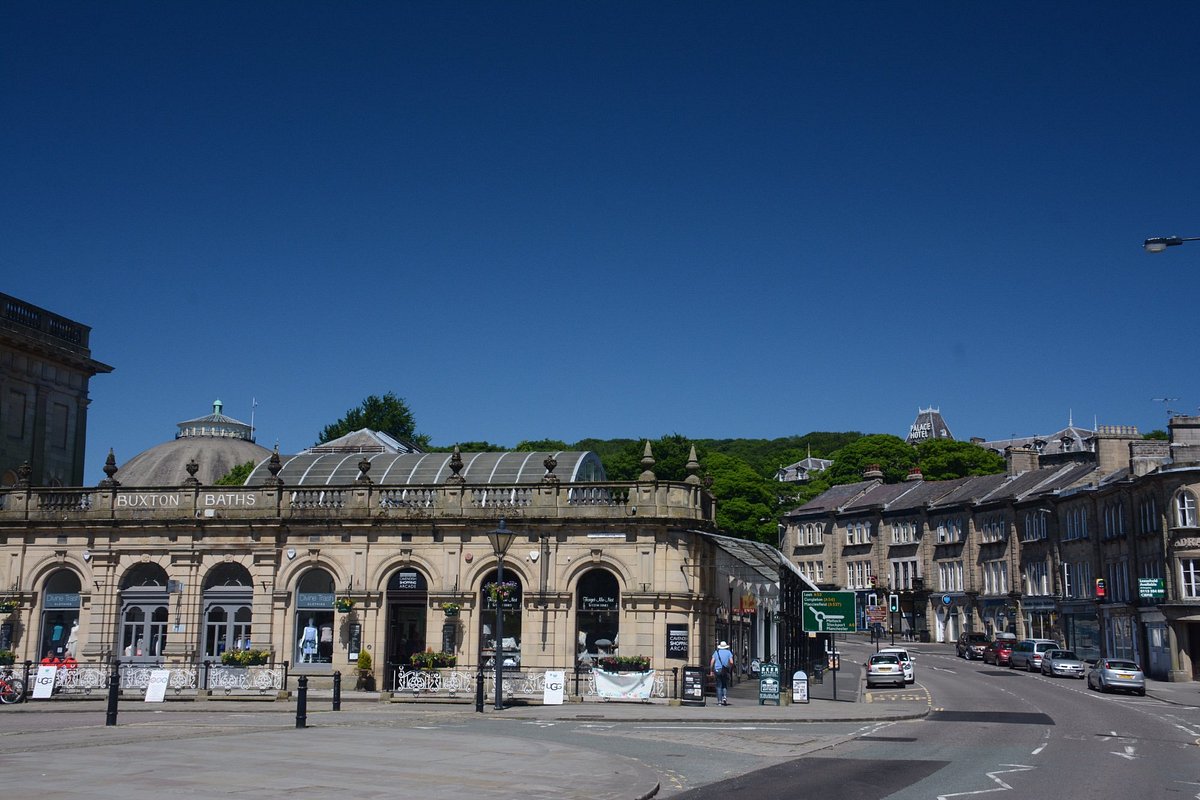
(432, 660)
(624, 663)
(364, 661)
(245, 658)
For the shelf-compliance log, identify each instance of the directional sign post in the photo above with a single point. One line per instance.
(829, 612)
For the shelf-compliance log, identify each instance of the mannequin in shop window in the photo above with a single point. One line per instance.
(308, 642)
(73, 639)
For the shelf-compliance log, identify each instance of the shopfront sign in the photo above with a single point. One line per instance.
(693, 685)
(408, 581)
(556, 682)
(677, 641)
(43, 684)
(768, 683)
(61, 600)
(315, 600)
(597, 602)
(156, 688)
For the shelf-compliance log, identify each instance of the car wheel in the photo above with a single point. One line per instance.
(1031, 669)
(1141, 692)
(1100, 686)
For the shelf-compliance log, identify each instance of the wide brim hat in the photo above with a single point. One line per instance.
(723, 646)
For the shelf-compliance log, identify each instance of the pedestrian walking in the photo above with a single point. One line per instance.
(721, 665)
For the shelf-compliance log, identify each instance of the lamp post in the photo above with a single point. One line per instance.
(501, 538)
(1156, 244)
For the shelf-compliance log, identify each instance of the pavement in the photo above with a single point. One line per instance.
(374, 749)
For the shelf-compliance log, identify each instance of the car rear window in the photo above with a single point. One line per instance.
(977, 638)
(1122, 665)
(884, 660)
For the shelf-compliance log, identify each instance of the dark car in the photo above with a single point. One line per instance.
(972, 645)
(998, 652)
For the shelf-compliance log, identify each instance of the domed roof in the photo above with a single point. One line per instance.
(216, 443)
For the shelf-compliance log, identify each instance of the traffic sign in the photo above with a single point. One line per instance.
(829, 612)
(876, 614)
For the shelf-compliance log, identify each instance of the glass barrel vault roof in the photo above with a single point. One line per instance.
(423, 469)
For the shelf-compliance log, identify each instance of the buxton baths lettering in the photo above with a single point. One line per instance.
(229, 499)
(147, 501)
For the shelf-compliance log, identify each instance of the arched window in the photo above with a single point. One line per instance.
(502, 598)
(144, 613)
(228, 593)
(314, 618)
(597, 616)
(1185, 509)
(60, 615)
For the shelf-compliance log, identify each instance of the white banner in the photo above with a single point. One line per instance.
(624, 685)
(156, 688)
(556, 680)
(43, 684)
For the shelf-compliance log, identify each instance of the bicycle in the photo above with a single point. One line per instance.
(12, 688)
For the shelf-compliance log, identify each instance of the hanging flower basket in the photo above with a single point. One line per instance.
(7, 607)
(450, 609)
(502, 592)
(343, 604)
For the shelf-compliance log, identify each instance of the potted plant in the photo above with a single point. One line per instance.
(624, 663)
(7, 657)
(343, 604)
(8, 606)
(365, 676)
(451, 609)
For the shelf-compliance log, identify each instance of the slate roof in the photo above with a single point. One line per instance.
(833, 497)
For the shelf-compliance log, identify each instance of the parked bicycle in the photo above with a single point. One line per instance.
(12, 688)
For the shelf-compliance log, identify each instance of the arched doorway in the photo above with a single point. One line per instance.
(228, 594)
(597, 616)
(60, 616)
(407, 601)
(144, 613)
(506, 599)
(314, 618)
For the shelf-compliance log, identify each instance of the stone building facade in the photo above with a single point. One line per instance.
(1023, 552)
(320, 569)
(45, 367)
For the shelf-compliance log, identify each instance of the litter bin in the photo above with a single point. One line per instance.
(818, 672)
(799, 686)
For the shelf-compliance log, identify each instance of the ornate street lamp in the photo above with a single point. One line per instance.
(1157, 244)
(501, 538)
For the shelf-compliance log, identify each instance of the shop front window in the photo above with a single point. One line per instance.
(504, 598)
(144, 613)
(60, 616)
(314, 618)
(597, 617)
(228, 593)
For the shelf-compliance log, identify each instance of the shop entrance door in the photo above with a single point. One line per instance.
(407, 603)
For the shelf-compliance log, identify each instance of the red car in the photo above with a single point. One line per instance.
(998, 652)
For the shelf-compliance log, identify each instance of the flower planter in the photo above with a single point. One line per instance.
(7, 608)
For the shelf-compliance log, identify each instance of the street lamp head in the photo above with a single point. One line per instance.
(501, 538)
(1156, 244)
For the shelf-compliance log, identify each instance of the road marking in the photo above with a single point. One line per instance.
(1129, 754)
(1003, 787)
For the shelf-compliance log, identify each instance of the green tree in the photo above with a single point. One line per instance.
(388, 414)
(670, 459)
(894, 456)
(236, 476)
(541, 445)
(1158, 435)
(946, 459)
(467, 447)
(748, 504)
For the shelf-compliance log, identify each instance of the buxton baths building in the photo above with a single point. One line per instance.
(365, 545)
(1098, 547)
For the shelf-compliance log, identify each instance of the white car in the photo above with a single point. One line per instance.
(905, 660)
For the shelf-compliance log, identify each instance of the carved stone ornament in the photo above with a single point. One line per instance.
(647, 464)
(273, 467)
(110, 469)
(550, 463)
(192, 468)
(456, 465)
(364, 467)
(24, 475)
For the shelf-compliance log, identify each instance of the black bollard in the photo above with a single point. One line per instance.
(337, 691)
(114, 688)
(302, 702)
(479, 690)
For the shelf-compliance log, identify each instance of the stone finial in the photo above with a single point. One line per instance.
(456, 465)
(647, 464)
(274, 465)
(364, 467)
(110, 469)
(24, 475)
(693, 467)
(550, 463)
(192, 468)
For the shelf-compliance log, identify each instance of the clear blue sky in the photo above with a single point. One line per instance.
(574, 220)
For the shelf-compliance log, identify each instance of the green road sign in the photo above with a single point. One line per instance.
(829, 612)
(1151, 588)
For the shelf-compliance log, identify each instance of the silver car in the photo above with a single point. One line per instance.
(1062, 663)
(1110, 674)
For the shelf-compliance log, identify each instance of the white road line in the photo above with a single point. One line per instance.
(1129, 754)
(1002, 787)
